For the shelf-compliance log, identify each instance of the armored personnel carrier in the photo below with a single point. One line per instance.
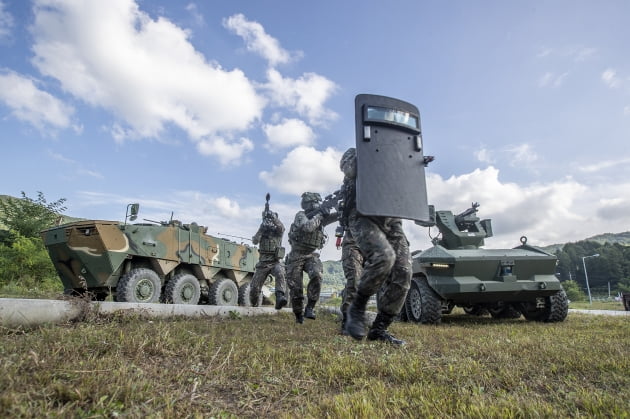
(150, 262)
(506, 283)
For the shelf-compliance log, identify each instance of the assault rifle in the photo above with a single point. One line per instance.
(267, 213)
(332, 201)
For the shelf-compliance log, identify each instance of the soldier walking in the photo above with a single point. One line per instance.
(351, 258)
(387, 264)
(269, 239)
(306, 235)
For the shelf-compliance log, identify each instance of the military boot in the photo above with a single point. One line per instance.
(355, 320)
(309, 312)
(344, 319)
(378, 331)
(297, 310)
(281, 300)
(253, 300)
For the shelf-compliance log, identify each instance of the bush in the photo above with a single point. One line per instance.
(25, 264)
(574, 291)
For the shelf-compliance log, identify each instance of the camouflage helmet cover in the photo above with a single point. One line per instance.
(348, 163)
(310, 198)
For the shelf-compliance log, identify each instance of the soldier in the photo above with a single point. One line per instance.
(352, 264)
(306, 235)
(269, 238)
(387, 264)
(351, 258)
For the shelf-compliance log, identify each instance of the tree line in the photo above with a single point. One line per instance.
(607, 266)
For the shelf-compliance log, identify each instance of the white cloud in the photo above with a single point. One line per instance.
(257, 40)
(227, 207)
(626, 110)
(194, 12)
(76, 167)
(544, 52)
(305, 95)
(6, 22)
(484, 155)
(604, 164)
(228, 152)
(552, 79)
(289, 133)
(610, 78)
(521, 155)
(583, 53)
(145, 71)
(30, 104)
(306, 169)
(546, 213)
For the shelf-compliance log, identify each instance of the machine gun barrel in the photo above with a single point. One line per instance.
(470, 211)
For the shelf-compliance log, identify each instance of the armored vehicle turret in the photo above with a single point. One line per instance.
(150, 262)
(506, 283)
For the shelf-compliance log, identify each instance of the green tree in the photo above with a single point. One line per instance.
(26, 217)
(574, 291)
(624, 285)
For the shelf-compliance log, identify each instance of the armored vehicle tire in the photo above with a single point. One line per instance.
(423, 305)
(556, 308)
(139, 285)
(183, 288)
(475, 310)
(504, 311)
(224, 292)
(400, 317)
(243, 295)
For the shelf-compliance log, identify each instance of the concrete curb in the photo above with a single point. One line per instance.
(16, 312)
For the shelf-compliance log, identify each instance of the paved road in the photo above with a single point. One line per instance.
(601, 312)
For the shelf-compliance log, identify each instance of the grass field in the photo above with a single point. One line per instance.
(268, 366)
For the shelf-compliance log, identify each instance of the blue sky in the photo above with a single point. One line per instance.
(200, 108)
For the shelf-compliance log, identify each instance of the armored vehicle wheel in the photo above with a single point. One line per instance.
(139, 286)
(243, 295)
(504, 311)
(402, 316)
(475, 310)
(224, 292)
(182, 289)
(554, 308)
(423, 304)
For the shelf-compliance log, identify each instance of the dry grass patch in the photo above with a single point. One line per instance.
(268, 366)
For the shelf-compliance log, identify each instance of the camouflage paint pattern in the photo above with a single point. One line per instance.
(94, 254)
(387, 263)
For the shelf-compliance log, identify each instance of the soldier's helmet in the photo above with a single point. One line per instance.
(310, 200)
(348, 163)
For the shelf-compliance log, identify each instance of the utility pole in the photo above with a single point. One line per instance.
(588, 288)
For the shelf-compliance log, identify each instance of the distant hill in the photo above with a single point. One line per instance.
(612, 238)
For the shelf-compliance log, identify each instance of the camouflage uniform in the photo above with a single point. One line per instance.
(386, 267)
(269, 238)
(306, 235)
(351, 258)
(352, 264)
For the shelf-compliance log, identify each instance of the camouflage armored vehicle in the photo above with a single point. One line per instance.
(150, 262)
(506, 283)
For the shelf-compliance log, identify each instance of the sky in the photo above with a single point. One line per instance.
(196, 110)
